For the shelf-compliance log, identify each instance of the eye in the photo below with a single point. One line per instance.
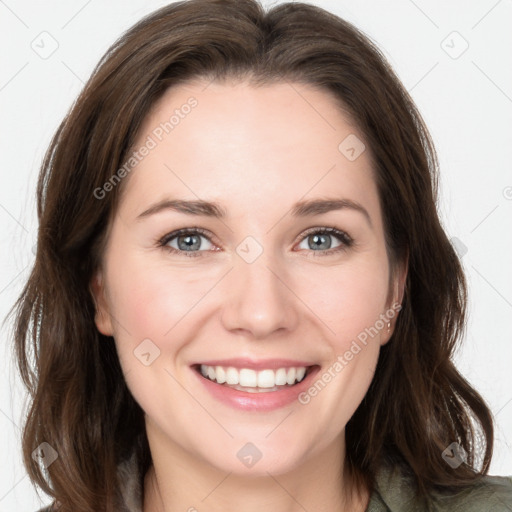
(320, 240)
(188, 241)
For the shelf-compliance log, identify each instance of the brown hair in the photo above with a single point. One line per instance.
(417, 404)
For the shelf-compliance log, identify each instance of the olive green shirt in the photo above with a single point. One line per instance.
(393, 492)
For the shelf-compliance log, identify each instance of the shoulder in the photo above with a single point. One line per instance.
(489, 494)
(130, 486)
(395, 492)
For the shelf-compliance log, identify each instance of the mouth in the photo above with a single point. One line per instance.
(249, 380)
(250, 389)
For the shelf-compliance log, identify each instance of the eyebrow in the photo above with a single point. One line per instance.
(200, 207)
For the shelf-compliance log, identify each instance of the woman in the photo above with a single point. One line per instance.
(242, 294)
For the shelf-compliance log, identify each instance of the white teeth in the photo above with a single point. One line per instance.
(231, 376)
(290, 378)
(266, 379)
(247, 378)
(220, 374)
(281, 377)
(300, 373)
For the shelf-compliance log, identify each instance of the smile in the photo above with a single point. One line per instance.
(260, 389)
(250, 380)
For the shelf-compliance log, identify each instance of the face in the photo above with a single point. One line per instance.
(274, 283)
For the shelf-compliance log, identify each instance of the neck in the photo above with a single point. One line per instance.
(178, 480)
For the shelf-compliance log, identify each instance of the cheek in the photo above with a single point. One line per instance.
(155, 302)
(150, 299)
(152, 305)
(350, 303)
(348, 298)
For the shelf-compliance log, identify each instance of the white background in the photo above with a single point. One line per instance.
(465, 101)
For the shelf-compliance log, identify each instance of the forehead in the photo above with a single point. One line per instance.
(238, 142)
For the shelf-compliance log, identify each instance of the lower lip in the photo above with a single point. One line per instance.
(261, 401)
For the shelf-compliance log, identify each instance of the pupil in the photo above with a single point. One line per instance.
(189, 242)
(316, 238)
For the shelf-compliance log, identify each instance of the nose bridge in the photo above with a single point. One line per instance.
(258, 299)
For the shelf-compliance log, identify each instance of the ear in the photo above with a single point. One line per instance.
(400, 280)
(394, 306)
(102, 318)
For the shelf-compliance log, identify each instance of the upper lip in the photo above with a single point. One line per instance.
(254, 364)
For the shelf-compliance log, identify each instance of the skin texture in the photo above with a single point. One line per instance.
(255, 151)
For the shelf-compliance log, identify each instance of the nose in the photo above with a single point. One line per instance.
(259, 300)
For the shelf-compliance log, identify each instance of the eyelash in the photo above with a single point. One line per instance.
(344, 238)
